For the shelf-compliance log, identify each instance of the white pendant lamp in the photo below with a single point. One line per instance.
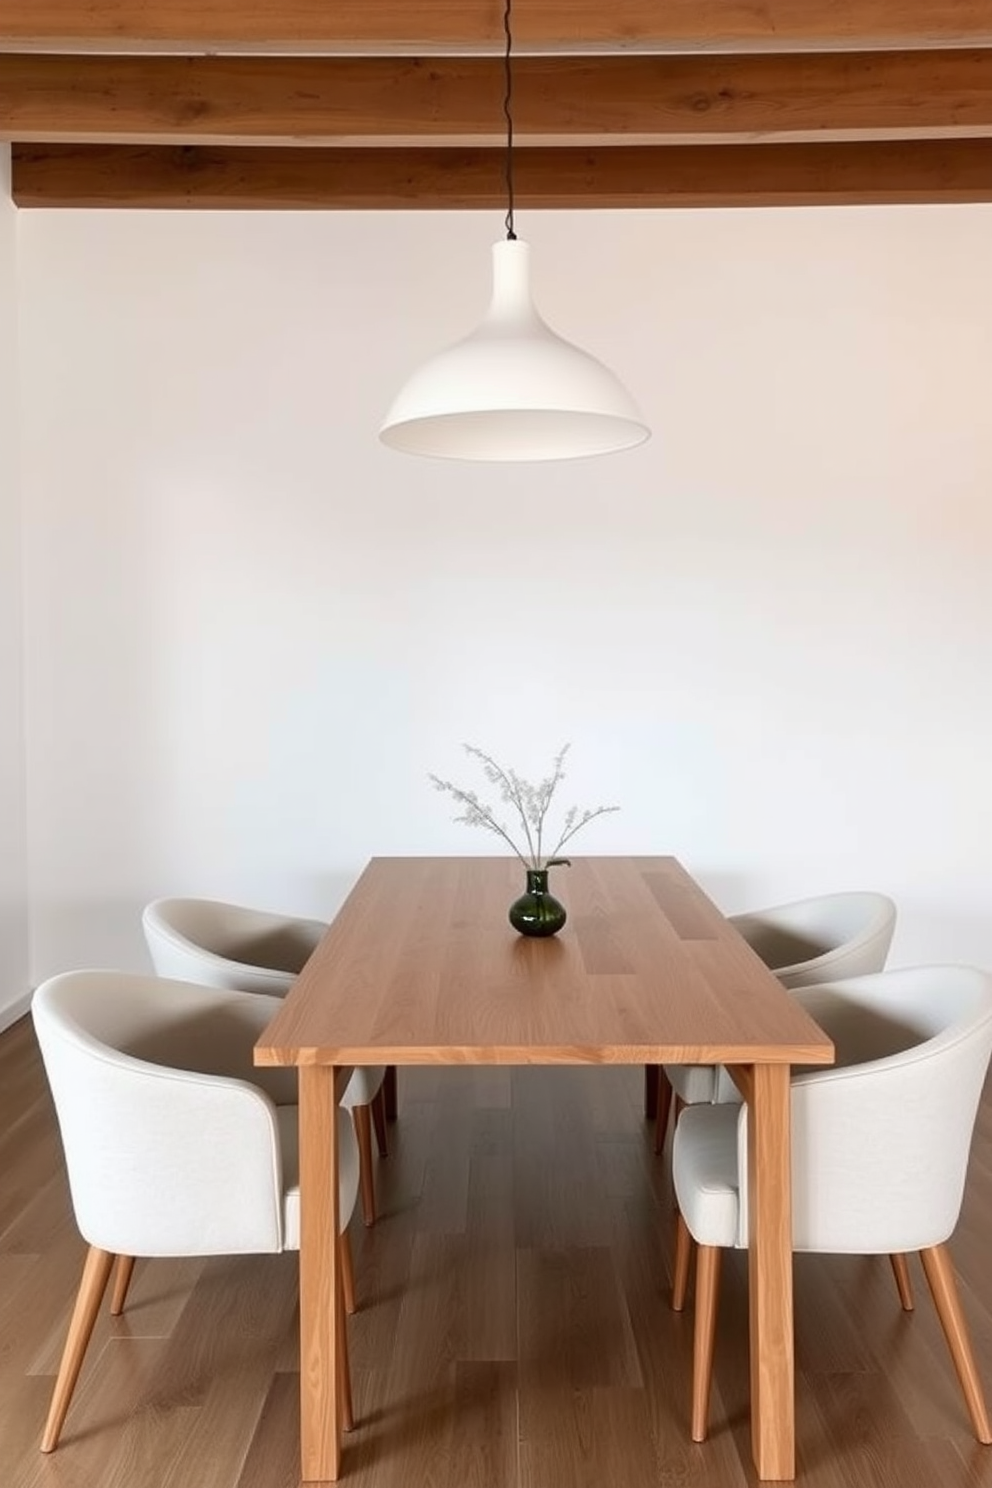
(513, 389)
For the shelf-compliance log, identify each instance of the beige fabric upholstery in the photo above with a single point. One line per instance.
(805, 942)
(880, 1141)
(880, 1150)
(174, 1143)
(231, 945)
(197, 940)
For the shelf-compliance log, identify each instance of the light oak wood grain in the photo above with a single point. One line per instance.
(321, 1318)
(769, 1170)
(420, 967)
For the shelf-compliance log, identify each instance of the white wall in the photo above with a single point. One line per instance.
(13, 833)
(251, 630)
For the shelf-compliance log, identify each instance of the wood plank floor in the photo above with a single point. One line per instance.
(513, 1332)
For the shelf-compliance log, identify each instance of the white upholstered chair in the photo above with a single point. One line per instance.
(252, 950)
(175, 1145)
(880, 1146)
(808, 941)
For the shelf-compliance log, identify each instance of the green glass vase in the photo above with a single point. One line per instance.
(537, 912)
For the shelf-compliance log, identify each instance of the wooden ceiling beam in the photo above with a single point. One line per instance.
(300, 25)
(187, 100)
(618, 176)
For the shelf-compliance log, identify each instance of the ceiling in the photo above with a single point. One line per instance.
(399, 103)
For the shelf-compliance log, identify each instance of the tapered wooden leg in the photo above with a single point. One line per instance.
(93, 1284)
(663, 1108)
(344, 1367)
(347, 1272)
(389, 1092)
(321, 1315)
(379, 1122)
(122, 1280)
(707, 1288)
(944, 1288)
(363, 1130)
(900, 1270)
(651, 1091)
(769, 1259)
(680, 1270)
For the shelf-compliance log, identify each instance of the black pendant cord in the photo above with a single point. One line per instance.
(508, 112)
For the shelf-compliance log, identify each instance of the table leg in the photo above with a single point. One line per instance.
(650, 1091)
(389, 1092)
(769, 1166)
(321, 1315)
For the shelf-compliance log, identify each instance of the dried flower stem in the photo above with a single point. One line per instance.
(530, 802)
(476, 815)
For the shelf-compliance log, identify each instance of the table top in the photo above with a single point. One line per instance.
(421, 966)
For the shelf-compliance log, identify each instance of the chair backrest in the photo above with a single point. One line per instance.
(172, 1145)
(816, 940)
(880, 1141)
(819, 939)
(228, 945)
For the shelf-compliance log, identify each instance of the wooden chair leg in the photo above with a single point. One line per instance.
(944, 1289)
(389, 1092)
(680, 1270)
(122, 1280)
(707, 1287)
(664, 1108)
(379, 1122)
(900, 1270)
(363, 1130)
(347, 1272)
(651, 1073)
(93, 1284)
(344, 1366)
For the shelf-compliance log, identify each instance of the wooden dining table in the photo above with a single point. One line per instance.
(421, 966)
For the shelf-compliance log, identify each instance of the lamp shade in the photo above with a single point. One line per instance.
(512, 390)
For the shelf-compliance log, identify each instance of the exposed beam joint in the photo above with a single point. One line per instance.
(619, 176)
